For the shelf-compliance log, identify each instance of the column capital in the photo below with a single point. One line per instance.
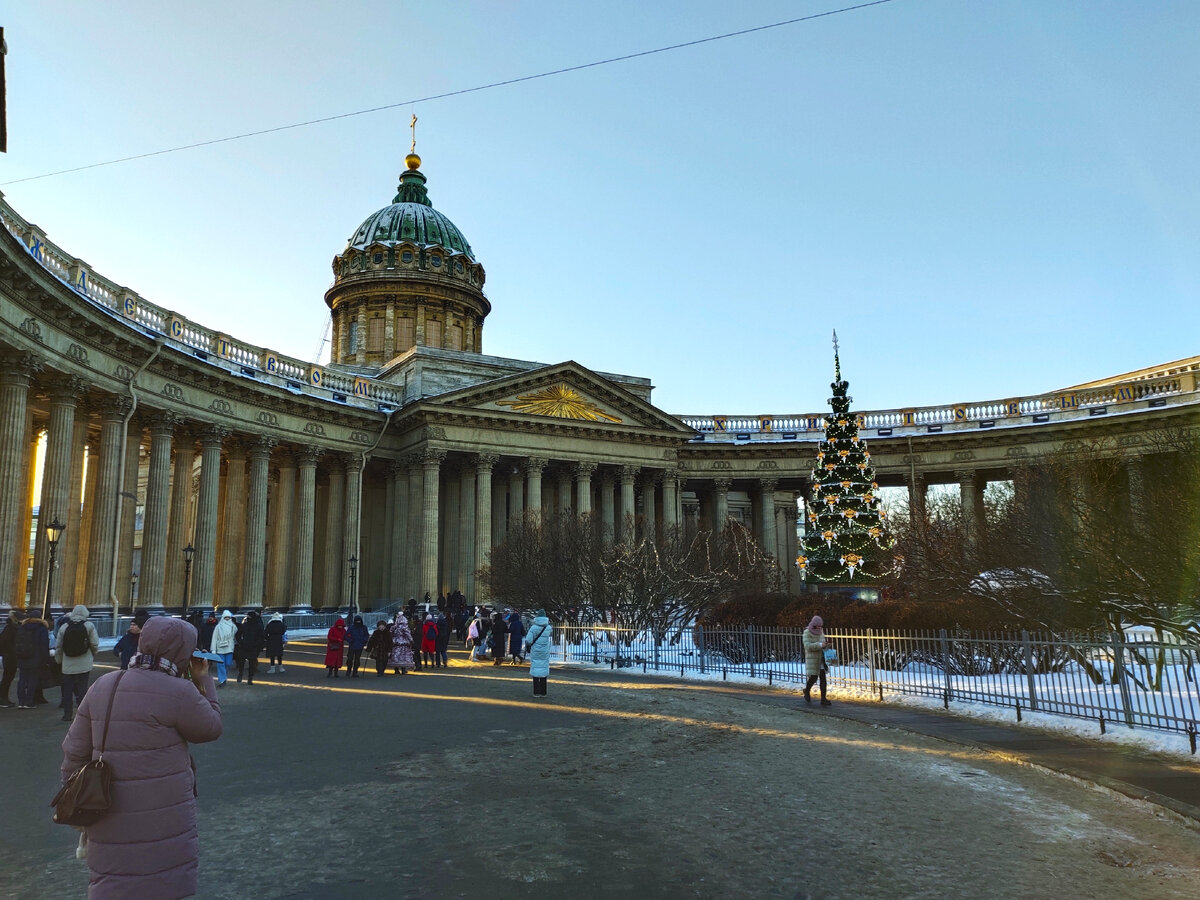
(966, 476)
(19, 367)
(432, 458)
(211, 434)
(629, 473)
(259, 446)
(535, 465)
(486, 460)
(162, 424)
(237, 448)
(584, 469)
(353, 463)
(768, 485)
(114, 408)
(722, 484)
(64, 388)
(670, 474)
(306, 457)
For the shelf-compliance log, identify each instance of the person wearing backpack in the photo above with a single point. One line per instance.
(8, 656)
(77, 644)
(31, 646)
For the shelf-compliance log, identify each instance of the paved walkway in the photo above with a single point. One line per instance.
(1169, 782)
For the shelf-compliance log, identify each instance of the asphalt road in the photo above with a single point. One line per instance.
(458, 783)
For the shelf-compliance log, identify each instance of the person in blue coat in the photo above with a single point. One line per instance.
(537, 643)
(356, 638)
(516, 634)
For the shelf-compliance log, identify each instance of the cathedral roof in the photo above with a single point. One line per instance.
(411, 219)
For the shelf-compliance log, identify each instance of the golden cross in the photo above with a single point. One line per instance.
(413, 125)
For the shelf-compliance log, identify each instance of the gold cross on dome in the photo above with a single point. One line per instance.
(413, 125)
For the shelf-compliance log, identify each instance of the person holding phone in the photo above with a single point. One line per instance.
(815, 667)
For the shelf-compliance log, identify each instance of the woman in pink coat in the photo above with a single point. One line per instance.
(147, 845)
(335, 640)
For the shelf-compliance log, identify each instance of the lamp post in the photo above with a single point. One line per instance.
(188, 552)
(353, 585)
(53, 532)
(133, 580)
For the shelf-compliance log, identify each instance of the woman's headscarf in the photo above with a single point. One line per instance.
(168, 639)
(817, 625)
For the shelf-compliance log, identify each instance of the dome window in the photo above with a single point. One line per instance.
(377, 258)
(436, 260)
(406, 256)
(458, 266)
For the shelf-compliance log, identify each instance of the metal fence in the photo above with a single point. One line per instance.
(1135, 679)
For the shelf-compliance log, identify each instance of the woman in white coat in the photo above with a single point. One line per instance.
(537, 644)
(222, 644)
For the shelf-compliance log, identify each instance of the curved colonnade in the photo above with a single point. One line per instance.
(279, 471)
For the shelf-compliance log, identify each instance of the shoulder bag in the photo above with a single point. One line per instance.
(87, 794)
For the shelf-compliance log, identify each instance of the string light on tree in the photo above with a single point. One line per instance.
(846, 540)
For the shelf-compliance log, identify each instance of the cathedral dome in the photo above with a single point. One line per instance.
(411, 219)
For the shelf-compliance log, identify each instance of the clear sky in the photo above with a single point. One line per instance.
(986, 199)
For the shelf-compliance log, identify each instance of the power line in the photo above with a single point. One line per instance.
(457, 93)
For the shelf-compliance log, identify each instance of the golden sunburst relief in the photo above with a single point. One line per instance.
(561, 402)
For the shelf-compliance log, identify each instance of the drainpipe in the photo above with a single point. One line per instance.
(118, 504)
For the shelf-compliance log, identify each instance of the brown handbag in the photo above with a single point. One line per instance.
(85, 797)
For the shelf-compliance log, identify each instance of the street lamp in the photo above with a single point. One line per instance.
(53, 532)
(188, 552)
(353, 585)
(133, 580)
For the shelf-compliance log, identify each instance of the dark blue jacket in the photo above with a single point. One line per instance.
(357, 636)
(41, 642)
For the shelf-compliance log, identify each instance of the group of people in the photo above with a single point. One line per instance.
(30, 657)
(240, 644)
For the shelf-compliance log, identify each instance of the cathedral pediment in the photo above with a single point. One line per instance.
(562, 393)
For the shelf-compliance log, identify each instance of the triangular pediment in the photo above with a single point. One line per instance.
(562, 393)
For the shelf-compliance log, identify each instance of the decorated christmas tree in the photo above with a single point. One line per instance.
(845, 539)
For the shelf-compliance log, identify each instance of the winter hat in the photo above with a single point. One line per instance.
(358, 620)
(79, 613)
(540, 612)
(226, 615)
(278, 617)
(140, 617)
(817, 625)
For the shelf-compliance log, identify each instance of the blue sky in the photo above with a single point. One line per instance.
(985, 199)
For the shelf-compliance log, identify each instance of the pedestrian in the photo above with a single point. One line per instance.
(538, 644)
(415, 629)
(335, 640)
(76, 647)
(516, 634)
(148, 844)
(497, 634)
(356, 639)
(429, 637)
(32, 650)
(400, 657)
(223, 644)
(443, 640)
(248, 644)
(815, 666)
(8, 656)
(379, 646)
(275, 639)
(206, 631)
(127, 646)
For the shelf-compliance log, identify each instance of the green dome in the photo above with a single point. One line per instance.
(411, 219)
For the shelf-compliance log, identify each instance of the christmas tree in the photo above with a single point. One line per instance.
(845, 539)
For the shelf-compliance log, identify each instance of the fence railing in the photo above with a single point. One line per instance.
(1133, 679)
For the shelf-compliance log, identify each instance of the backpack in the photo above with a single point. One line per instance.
(75, 639)
(25, 645)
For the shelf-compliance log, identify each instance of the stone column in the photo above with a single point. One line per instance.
(21, 560)
(499, 510)
(104, 512)
(1135, 474)
(720, 503)
(92, 452)
(970, 492)
(650, 506)
(766, 506)
(254, 564)
(627, 515)
(431, 462)
(68, 554)
(204, 565)
(450, 524)
(233, 529)
(398, 534)
(917, 492)
(128, 506)
(563, 490)
(483, 514)
(670, 504)
(412, 551)
(533, 483)
(351, 545)
(179, 530)
(306, 511)
(16, 375)
(56, 486)
(583, 487)
(335, 528)
(516, 498)
(279, 556)
(608, 516)
(466, 529)
(158, 506)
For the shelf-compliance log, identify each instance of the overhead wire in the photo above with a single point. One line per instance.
(455, 93)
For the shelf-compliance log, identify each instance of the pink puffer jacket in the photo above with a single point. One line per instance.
(147, 846)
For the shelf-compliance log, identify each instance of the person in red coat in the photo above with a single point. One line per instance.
(334, 642)
(429, 634)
